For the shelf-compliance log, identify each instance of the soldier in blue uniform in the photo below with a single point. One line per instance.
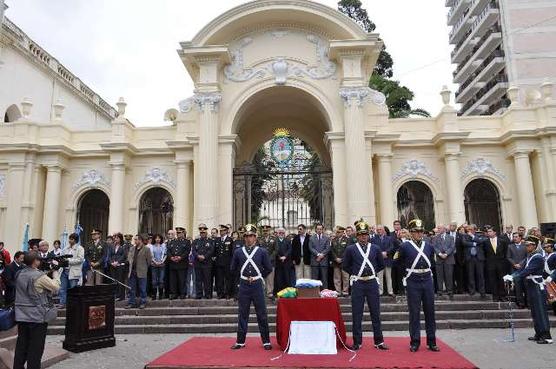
(416, 255)
(536, 291)
(203, 250)
(254, 266)
(550, 265)
(363, 261)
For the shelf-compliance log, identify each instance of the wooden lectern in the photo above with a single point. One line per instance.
(90, 314)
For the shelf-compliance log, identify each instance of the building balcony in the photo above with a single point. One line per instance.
(450, 3)
(485, 46)
(467, 91)
(487, 18)
(488, 95)
(492, 65)
(499, 107)
(477, 6)
(457, 11)
(461, 29)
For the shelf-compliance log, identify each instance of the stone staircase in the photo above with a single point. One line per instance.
(220, 316)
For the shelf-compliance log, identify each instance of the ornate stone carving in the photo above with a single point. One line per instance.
(413, 169)
(91, 178)
(2, 185)
(200, 100)
(278, 66)
(361, 95)
(481, 166)
(156, 175)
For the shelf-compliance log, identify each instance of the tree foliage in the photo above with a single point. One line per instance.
(397, 97)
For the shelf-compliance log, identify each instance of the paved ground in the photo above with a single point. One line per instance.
(484, 347)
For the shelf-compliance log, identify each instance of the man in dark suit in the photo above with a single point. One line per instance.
(496, 249)
(444, 247)
(301, 256)
(386, 245)
(474, 260)
(516, 255)
(9, 274)
(459, 255)
(508, 234)
(319, 246)
(223, 250)
(284, 273)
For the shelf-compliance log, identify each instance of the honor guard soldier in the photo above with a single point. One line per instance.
(203, 250)
(550, 264)
(339, 245)
(269, 243)
(416, 255)
(253, 264)
(177, 254)
(223, 252)
(363, 261)
(536, 290)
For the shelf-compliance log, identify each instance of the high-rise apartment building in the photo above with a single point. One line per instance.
(501, 43)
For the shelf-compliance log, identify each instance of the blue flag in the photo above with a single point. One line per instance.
(64, 239)
(25, 243)
(78, 230)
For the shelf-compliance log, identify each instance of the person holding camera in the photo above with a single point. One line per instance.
(33, 310)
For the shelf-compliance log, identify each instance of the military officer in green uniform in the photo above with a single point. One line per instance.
(94, 256)
(177, 251)
(339, 244)
(268, 242)
(203, 250)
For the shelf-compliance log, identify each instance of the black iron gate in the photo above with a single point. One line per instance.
(283, 195)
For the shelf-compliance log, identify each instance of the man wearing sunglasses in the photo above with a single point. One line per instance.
(253, 264)
(203, 250)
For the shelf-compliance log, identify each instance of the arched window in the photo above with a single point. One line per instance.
(415, 200)
(482, 204)
(93, 212)
(12, 114)
(156, 211)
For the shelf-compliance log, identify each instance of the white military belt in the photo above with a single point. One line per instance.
(254, 278)
(419, 271)
(355, 278)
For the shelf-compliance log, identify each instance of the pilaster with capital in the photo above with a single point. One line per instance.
(117, 187)
(548, 168)
(336, 145)
(182, 213)
(226, 160)
(50, 231)
(525, 190)
(456, 211)
(386, 193)
(13, 225)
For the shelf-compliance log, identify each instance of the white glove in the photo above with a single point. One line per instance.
(508, 278)
(548, 279)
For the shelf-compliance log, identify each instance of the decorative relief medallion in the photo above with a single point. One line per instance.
(97, 317)
(361, 95)
(2, 185)
(91, 178)
(156, 175)
(481, 166)
(279, 66)
(413, 169)
(200, 100)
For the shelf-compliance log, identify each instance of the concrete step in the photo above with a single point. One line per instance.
(231, 327)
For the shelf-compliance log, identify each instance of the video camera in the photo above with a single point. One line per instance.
(47, 262)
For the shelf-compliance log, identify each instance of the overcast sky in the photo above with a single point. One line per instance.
(128, 47)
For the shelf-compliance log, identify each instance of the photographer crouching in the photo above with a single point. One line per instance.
(33, 310)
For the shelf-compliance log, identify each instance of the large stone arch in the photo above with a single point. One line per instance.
(483, 203)
(243, 18)
(427, 186)
(93, 212)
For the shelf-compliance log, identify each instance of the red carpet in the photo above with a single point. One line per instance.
(214, 352)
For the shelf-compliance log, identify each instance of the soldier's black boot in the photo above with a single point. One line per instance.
(161, 293)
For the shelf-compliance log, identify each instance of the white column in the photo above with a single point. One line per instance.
(337, 154)
(180, 205)
(207, 168)
(28, 185)
(456, 211)
(50, 230)
(357, 165)
(225, 181)
(525, 190)
(385, 189)
(116, 216)
(13, 227)
(551, 185)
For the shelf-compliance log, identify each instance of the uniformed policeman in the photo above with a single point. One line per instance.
(550, 260)
(223, 252)
(363, 261)
(94, 255)
(416, 255)
(536, 291)
(268, 242)
(339, 245)
(203, 250)
(253, 264)
(177, 254)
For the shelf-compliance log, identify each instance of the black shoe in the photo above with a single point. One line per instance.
(142, 306)
(413, 348)
(544, 341)
(267, 346)
(172, 297)
(355, 347)
(483, 296)
(433, 348)
(382, 346)
(238, 346)
(534, 338)
(451, 297)
(129, 306)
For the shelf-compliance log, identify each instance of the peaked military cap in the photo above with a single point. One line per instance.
(96, 230)
(224, 227)
(340, 229)
(250, 229)
(416, 225)
(362, 227)
(203, 226)
(548, 242)
(532, 239)
(241, 229)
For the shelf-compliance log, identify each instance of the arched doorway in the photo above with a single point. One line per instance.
(482, 204)
(282, 173)
(93, 212)
(156, 211)
(415, 200)
(12, 114)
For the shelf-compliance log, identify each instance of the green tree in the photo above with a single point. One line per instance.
(397, 97)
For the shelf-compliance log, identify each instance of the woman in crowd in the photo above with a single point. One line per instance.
(117, 263)
(158, 250)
